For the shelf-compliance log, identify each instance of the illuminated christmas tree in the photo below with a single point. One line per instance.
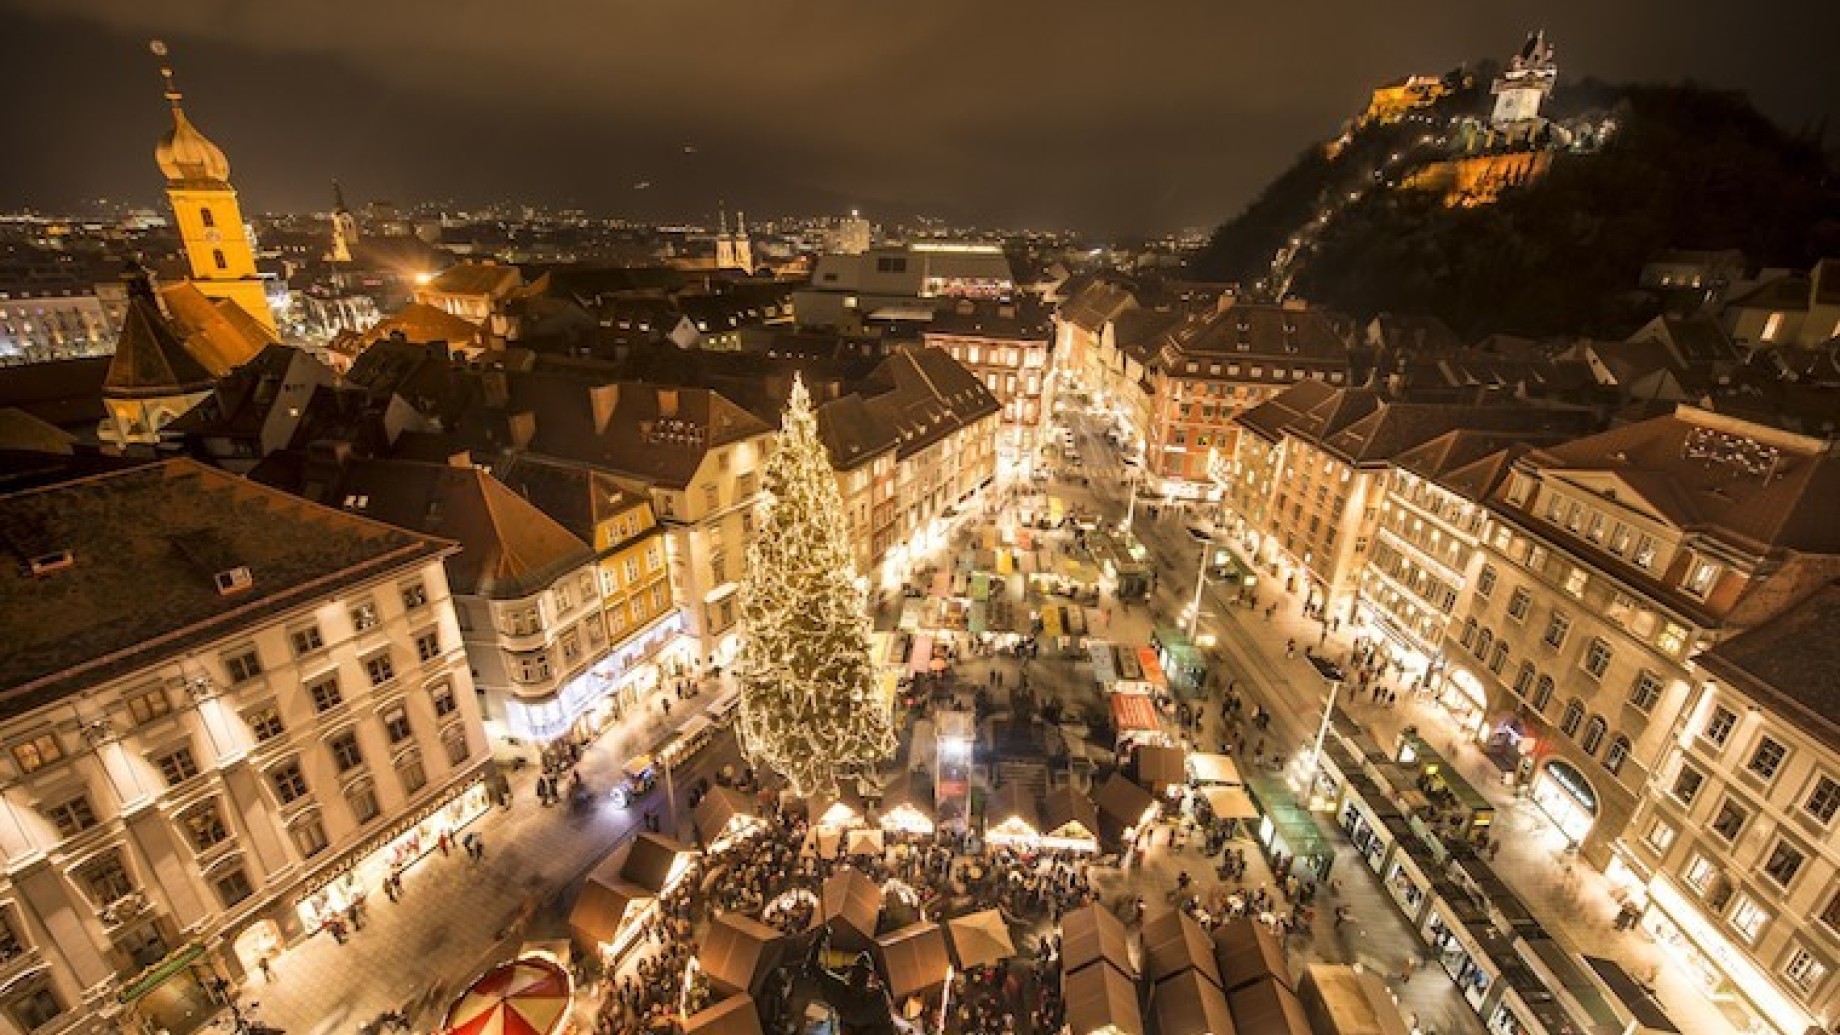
(810, 707)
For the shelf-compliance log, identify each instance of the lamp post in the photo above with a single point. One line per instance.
(1194, 607)
(1332, 673)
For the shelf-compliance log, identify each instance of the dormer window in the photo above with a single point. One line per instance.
(1702, 576)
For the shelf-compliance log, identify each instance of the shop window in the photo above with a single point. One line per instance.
(233, 886)
(306, 640)
(1729, 821)
(309, 836)
(177, 765)
(36, 753)
(144, 708)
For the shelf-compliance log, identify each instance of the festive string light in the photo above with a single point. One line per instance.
(810, 706)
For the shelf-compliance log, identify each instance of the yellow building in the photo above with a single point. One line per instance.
(635, 591)
(206, 213)
(1401, 97)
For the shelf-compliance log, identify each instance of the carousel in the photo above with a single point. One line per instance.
(530, 995)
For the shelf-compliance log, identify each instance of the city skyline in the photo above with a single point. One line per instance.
(1065, 120)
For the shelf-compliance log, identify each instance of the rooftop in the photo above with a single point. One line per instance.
(1790, 664)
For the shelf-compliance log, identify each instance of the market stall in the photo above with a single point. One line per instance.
(1124, 808)
(914, 959)
(530, 995)
(1206, 769)
(738, 1015)
(850, 906)
(724, 818)
(1091, 934)
(1100, 1001)
(1189, 1004)
(980, 939)
(1010, 817)
(738, 952)
(1267, 1007)
(1134, 719)
(1069, 821)
(1247, 952)
(1161, 768)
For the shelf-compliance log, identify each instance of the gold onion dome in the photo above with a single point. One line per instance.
(185, 153)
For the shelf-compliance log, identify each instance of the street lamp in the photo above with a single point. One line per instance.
(1194, 608)
(1333, 675)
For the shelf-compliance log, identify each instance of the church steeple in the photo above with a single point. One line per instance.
(344, 227)
(205, 209)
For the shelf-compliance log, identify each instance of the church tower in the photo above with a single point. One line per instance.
(742, 250)
(1521, 89)
(210, 223)
(344, 228)
(725, 245)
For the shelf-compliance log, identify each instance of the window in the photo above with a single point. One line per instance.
(204, 827)
(36, 1008)
(1729, 821)
(1831, 915)
(1484, 641)
(1701, 576)
(414, 596)
(1719, 725)
(177, 766)
(1823, 800)
(1687, 784)
(309, 836)
(1574, 715)
(1485, 582)
(325, 693)
(1543, 693)
(1468, 635)
(1616, 754)
(1646, 692)
(149, 706)
(1499, 659)
(1574, 582)
(346, 754)
(363, 801)
(411, 772)
(1673, 639)
(526, 622)
(72, 816)
(1523, 679)
(1644, 554)
(380, 668)
(1784, 863)
(306, 640)
(37, 753)
(1767, 759)
(1597, 658)
(207, 217)
(1661, 835)
(442, 694)
(570, 642)
(1556, 628)
(218, 260)
(1593, 735)
(1519, 603)
(532, 666)
(242, 666)
(11, 947)
(289, 782)
(364, 616)
(106, 880)
(396, 724)
(265, 723)
(565, 597)
(1700, 873)
(1748, 918)
(1804, 971)
(233, 886)
(428, 645)
(454, 740)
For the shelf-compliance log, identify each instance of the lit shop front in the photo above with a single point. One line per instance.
(1721, 970)
(362, 869)
(1563, 793)
(1465, 698)
(602, 694)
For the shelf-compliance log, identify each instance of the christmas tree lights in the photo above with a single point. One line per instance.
(810, 707)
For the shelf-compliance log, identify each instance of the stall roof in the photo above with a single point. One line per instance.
(1267, 1007)
(980, 939)
(1639, 1001)
(720, 807)
(1189, 1004)
(1207, 767)
(1350, 1002)
(1246, 952)
(1134, 713)
(653, 860)
(1099, 998)
(1159, 767)
(1091, 934)
(738, 951)
(914, 958)
(1230, 803)
(1014, 801)
(853, 902)
(734, 1016)
(1173, 943)
(1065, 807)
(1122, 801)
(603, 906)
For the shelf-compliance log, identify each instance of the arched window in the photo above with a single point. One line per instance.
(1499, 660)
(1617, 754)
(217, 256)
(1593, 735)
(1574, 714)
(206, 217)
(1469, 631)
(1542, 693)
(1523, 679)
(1484, 641)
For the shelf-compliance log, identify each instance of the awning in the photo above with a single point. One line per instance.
(530, 995)
(914, 959)
(1207, 768)
(1100, 999)
(1153, 669)
(1230, 803)
(1134, 713)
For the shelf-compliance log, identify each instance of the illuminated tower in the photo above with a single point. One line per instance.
(725, 245)
(1521, 89)
(344, 227)
(222, 258)
(741, 250)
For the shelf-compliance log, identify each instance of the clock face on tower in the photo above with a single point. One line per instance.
(212, 235)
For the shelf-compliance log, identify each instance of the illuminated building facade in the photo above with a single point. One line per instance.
(246, 709)
(41, 321)
(1009, 347)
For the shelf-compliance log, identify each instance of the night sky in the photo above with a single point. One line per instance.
(1115, 117)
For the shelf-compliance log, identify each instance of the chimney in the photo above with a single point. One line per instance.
(1225, 302)
(602, 399)
(1007, 310)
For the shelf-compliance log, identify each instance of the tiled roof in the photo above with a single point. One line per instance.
(146, 545)
(925, 395)
(474, 278)
(1094, 305)
(1269, 418)
(1023, 320)
(217, 331)
(508, 547)
(64, 392)
(1790, 664)
(1256, 332)
(420, 322)
(577, 498)
(1788, 293)
(151, 358)
(1758, 487)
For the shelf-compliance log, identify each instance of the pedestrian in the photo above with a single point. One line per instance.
(445, 843)
(268, 969)
(1405, 970)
